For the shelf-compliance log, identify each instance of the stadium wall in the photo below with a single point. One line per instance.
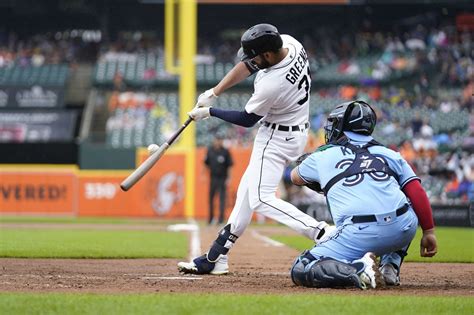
(66, 190)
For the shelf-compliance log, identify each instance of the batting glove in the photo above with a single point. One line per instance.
(328, 232)
(206, 99)
(200, 113)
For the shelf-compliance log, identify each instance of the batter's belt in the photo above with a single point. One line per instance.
(286, 128)
(372, 218)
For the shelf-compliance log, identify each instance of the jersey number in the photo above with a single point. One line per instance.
(304, 80)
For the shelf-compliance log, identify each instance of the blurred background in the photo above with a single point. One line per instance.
(83, 87)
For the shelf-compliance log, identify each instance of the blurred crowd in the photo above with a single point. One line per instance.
(36, 50)
(438, 57)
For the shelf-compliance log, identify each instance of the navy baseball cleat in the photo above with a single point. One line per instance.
(201, 266)
(390, 274)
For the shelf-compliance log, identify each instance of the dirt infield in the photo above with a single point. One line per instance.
(256, 267)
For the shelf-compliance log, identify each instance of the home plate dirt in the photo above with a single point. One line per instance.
(256, 266)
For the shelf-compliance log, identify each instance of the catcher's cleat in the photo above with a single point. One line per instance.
(370, 276)
(201, 266)
(390, 274)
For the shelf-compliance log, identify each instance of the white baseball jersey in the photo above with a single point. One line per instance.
(281, 96)
(282, 91)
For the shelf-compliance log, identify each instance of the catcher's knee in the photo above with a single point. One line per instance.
(323, 273)
(219, 246)
(299, 274)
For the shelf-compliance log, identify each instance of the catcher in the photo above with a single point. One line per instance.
(375, 199)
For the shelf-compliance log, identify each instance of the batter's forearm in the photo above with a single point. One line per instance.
(241, 118)
(239, 73)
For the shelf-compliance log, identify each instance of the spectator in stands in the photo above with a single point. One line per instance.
(464, 189)
(408, 152)
(468, 94)
(392, 128)
(416, 124)
(452, 186)
(219, 162)
(119, 83)
(348, 92)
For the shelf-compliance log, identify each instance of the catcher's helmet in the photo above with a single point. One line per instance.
(258, 39)
(355, 116)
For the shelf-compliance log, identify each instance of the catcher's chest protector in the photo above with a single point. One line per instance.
(364, 163)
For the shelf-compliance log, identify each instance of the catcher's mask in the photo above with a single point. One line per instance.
(355, 116)
(258, 39)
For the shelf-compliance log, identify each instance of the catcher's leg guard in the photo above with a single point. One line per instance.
(206, 263)
(298, 271)
(325, 273)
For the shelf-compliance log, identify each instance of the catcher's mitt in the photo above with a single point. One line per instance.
(313, 185)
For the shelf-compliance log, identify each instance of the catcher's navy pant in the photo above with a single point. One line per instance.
(272, 151)
(352, 240)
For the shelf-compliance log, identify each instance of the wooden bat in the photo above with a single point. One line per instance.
(133, 178)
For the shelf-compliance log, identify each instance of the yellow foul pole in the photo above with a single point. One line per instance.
(187, 30)
(187, 93)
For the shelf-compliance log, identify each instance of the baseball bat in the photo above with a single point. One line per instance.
(133, 178)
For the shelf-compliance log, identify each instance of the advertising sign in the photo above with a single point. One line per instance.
(35, 96)
(37, 191)
(159, 193)
(37, 126)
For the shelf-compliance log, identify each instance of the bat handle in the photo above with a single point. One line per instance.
(179, 131)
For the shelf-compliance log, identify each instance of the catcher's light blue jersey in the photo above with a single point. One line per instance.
(359, 194)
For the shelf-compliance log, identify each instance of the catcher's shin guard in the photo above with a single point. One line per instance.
(298, 271)
(206, 263)
(324, 273)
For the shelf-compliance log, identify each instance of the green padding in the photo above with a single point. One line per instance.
(98, 156)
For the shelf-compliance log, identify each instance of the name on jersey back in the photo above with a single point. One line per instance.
(297, 67)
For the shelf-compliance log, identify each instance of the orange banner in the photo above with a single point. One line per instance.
(38, 190)
(160, 192)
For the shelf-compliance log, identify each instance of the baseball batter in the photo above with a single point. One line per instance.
(368, 188)
(280, 102)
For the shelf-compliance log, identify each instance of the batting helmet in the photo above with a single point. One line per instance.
(258, 39)
(355, 116)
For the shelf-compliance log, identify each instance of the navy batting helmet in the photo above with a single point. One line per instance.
(355, 116)
(258, 39)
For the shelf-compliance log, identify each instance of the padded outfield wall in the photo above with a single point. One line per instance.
(67, 190)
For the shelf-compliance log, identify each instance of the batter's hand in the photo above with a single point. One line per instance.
(206, 99)
(428, 244)
(328, 232)
(200, 113)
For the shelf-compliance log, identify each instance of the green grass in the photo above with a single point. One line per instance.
(454, 245)
(83, 220)
(68, 243)
(231, 304)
